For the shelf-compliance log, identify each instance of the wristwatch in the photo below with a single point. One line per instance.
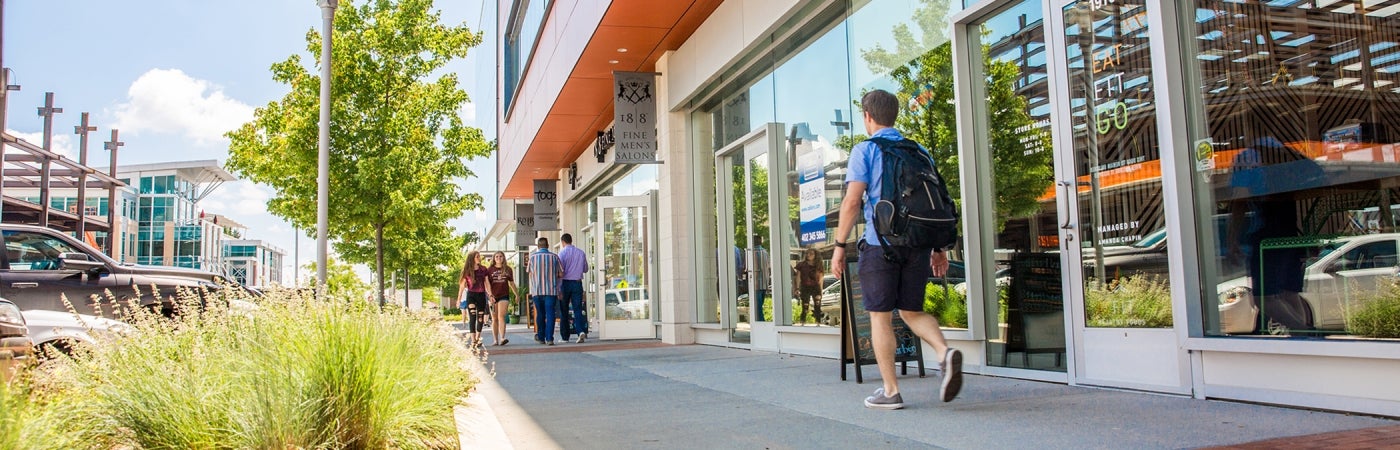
(841, 244)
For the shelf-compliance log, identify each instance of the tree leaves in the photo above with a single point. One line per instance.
(397, 143)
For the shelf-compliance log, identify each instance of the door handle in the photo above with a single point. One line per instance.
(24, 285)
(1069, 217)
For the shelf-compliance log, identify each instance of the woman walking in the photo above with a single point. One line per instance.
(501, 292)
(472, 283)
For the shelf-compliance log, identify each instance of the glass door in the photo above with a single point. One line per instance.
(1017, 217)
(1112, 169)
(626, 274)
(744, 171)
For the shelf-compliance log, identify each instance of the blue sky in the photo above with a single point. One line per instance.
(174, 75)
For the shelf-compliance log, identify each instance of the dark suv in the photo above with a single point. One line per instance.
(41, 263)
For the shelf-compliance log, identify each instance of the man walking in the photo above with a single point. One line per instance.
(545, 271)
(895, 282)
(575, 263)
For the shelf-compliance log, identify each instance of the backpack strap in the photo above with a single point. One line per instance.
(891, 159)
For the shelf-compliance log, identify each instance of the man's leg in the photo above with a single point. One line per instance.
(551, 304)
(882, 341)
(574, 292)
(565, 328)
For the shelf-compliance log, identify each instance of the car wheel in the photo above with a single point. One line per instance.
(53, 349)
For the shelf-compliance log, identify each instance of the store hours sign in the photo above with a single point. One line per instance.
(634, 117)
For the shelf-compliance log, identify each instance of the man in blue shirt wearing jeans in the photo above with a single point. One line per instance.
(889, 285)
(571, 291)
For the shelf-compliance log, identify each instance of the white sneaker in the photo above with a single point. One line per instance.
(580, 337)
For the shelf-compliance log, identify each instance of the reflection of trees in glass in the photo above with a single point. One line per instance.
(758, 176)
(923, 67)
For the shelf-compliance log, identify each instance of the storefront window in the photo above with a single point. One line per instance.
(816, 112)
(1295, 143)
(905, 47)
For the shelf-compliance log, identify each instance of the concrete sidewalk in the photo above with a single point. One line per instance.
(650, 395)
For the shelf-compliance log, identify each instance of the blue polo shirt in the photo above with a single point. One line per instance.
(866, 165)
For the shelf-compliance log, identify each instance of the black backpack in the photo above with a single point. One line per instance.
(915, 209)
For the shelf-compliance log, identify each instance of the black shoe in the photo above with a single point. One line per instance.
(550, 343)
(505, 341)
(538, 340)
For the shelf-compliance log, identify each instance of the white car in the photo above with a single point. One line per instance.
(1347, 271)
(58, 330)
(627, 304)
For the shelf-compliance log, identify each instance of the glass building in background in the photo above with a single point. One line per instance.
(172, 229)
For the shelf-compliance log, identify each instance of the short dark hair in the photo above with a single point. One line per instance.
(542, 242)
(881, 105)
(566, 239)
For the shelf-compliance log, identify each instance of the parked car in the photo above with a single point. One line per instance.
(15, 345)
(627, 304)
(58, 331)
(1346, 270)
(40, 263)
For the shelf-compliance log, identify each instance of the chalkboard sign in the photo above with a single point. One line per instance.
(856, 347)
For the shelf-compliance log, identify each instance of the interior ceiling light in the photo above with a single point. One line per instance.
(612, 61)
(622, 50)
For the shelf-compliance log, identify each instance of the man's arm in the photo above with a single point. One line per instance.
(845, 221)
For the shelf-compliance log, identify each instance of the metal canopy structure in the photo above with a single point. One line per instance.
(25, 169)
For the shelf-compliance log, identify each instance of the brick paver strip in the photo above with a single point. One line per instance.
(570, 347)
(1365, 438)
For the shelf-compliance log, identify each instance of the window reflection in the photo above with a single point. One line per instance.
(1296, 149)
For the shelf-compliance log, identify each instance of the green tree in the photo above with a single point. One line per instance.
(923, 65)
(396, 139)
(342, 283)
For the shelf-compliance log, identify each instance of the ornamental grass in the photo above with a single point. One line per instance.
(280, 370)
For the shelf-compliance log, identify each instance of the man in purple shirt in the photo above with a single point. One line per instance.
(575, 263)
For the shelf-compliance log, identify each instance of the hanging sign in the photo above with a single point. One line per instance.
(634, 118)
(546, 206)
(812, 191)
(524, 225)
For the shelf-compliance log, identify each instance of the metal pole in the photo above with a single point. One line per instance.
(82, 131)
(4, 100)
(323, 163)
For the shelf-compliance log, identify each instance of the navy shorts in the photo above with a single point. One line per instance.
(887, 286)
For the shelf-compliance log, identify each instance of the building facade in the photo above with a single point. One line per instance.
(253, 263)
(1192, 198)
(172, 230)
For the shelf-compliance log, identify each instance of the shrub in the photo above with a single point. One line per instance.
(1129, 302)
(292, 372)
(31, 420)
(1378, 317)
(948, 305)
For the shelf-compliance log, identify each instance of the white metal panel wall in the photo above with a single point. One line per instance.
(567, 29)
(1337, 383)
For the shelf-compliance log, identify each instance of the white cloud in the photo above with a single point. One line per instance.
(171, 102)
(62, 144)
(238, 199)
(468, 114)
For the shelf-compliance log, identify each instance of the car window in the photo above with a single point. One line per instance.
(1151, 239)
(1368, 256)
(33, 251)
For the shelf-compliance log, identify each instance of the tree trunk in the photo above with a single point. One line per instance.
(379, 259)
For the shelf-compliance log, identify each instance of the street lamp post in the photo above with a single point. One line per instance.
(323, 163)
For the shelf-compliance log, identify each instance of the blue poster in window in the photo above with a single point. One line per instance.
(812, 190)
